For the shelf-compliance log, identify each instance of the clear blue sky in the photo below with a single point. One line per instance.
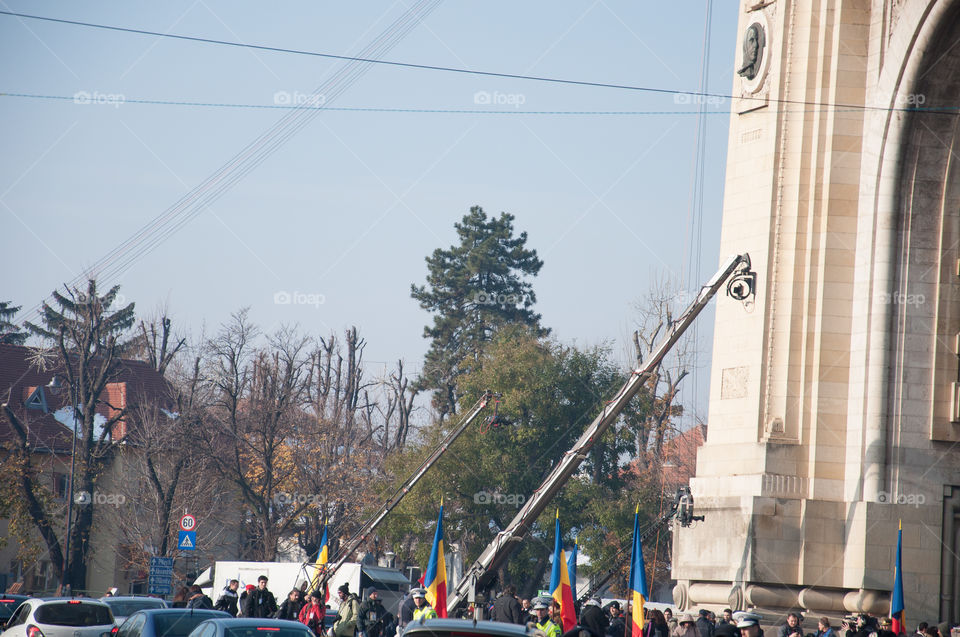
(349, 207)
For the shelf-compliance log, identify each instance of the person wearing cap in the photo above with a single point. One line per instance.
(313, 613)
(346, 623)
(260, 602)
(541, 610)
(424, 609)
(617, 621)
(592, 620)
(886, 628)
(686, 626)
(372, 615)
(749, 625)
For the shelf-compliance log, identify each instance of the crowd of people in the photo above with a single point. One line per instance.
(611, 620)
(354, 618)
(369, 617)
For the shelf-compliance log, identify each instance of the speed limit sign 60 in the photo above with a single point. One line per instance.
(188, 522)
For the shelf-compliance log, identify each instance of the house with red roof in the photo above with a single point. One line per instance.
(39, 399)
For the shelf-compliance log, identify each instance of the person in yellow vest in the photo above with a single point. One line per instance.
(544, 622)
(423, 610)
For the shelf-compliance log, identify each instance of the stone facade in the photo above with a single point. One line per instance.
(835, 402)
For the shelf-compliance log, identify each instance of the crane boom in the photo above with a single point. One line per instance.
(364, 532)
(500, 548)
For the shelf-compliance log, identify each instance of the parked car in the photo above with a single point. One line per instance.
(467, 628)
(8, 604)
(60, 617)
(250, 627)
(124, 606)
(165, 622)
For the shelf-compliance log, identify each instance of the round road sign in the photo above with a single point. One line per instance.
(188, 522)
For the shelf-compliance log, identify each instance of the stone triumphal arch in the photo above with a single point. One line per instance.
(835, 397)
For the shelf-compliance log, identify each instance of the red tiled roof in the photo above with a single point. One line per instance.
(136, 383)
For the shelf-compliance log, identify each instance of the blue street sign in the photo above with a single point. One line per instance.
(160, 581)
(187, 541)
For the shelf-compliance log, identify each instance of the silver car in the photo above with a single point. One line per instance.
(60, 617)
(124, 606)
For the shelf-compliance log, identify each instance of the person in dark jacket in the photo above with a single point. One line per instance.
(593, 618)
(290, 608)
(792, 628)
(407, 606)
(260, 602)
(229, 599)
(618, 622)
(507, 609)
(705, 627)
(198, 599)
(371, 616)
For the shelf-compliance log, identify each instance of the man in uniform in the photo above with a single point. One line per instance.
(542, 611)
(749, 625)
(424, 609)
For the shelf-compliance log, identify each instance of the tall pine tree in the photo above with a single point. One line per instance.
(473, 289)
(87, 337)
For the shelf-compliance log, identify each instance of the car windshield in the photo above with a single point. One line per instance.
(267, 631)
(127, 607)
(177, 625)
(74, 613)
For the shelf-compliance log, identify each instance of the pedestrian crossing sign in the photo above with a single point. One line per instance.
(187, 541)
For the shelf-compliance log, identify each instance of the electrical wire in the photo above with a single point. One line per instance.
(451, 69)
(155, 232)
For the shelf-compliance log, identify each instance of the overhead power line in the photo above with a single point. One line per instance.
(452, 69)
(113, 99)
(155, 232)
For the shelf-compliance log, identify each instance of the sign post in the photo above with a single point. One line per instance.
(187, 540)
(160, 580)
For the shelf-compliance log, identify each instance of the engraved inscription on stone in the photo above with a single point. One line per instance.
(733, 382)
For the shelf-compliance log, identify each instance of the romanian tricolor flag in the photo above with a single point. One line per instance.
(435, 579)
(323, 556)
(572, 568)
(896, 602)
(638, 578)
(560, 583)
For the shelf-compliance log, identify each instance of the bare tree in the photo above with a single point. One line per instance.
(655, 316)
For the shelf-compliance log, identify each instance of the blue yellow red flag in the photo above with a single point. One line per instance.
(435, 579)
(572, 569)
(896, 601)
(323, 556)
(560, 582)
(638, 578)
